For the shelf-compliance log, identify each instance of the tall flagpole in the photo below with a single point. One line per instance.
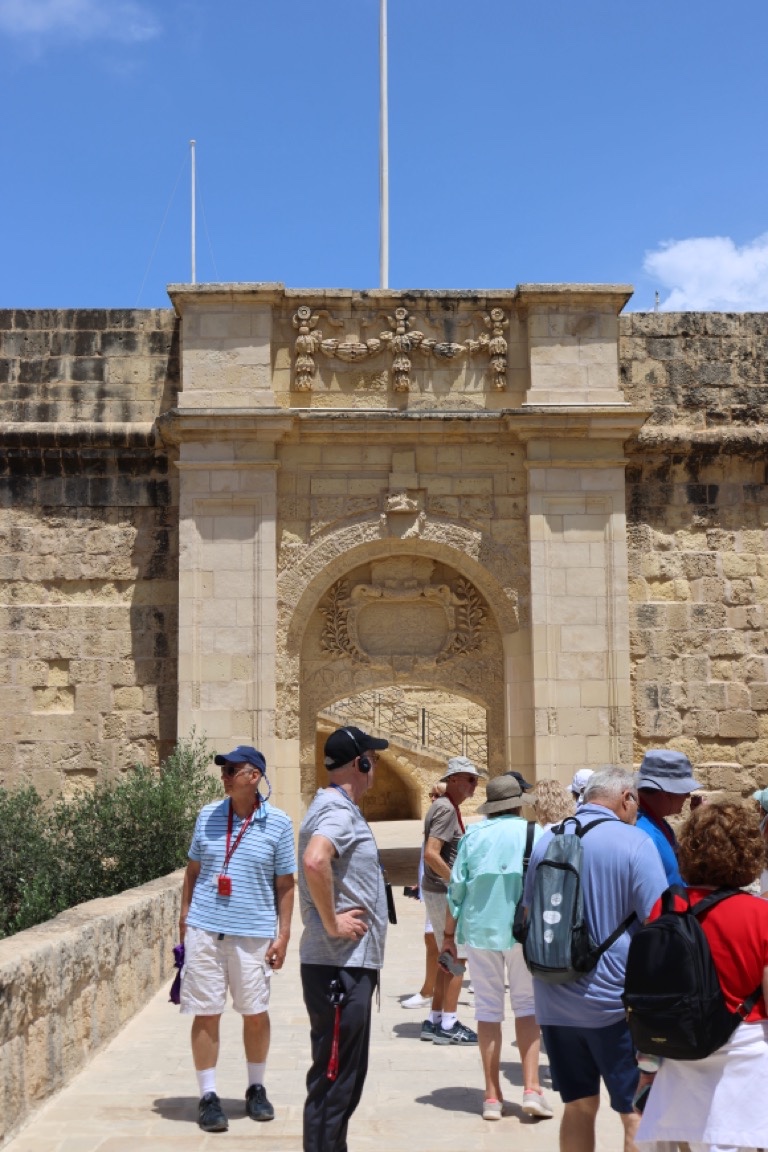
(383, 151)
(194, 222)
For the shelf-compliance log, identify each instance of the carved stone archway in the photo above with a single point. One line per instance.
(388, 617)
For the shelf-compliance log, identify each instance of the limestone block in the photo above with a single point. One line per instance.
(738, 723)
(758, 697)
(701, 723)
(729, 776)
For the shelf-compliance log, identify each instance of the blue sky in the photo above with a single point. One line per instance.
(619, 141)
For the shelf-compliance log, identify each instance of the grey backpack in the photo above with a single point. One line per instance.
(557, 946)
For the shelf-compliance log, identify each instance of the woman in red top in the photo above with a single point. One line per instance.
(720, 1104)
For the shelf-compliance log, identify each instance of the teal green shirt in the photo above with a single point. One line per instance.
(487, 881)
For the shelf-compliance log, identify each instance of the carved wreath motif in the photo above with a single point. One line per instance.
(335, 608)
(401, 341)
(470, 616)
(465, 616)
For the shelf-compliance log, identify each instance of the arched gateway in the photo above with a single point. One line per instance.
(420, 489)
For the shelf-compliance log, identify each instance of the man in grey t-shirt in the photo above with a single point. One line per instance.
(443, 829)
(344, 912)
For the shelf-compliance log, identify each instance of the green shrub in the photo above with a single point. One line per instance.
(100, 842)
(27, 862)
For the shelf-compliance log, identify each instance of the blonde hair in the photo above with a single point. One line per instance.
(551, 801)
(437, 790)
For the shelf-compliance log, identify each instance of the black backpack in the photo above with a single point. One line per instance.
(557, 946)
(672, 996)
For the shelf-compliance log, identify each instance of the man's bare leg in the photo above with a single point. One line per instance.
(577, 1128)
(631, 1122)
(256, 1037)
(205, 1042)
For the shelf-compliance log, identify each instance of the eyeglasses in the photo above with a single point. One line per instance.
(231, 770)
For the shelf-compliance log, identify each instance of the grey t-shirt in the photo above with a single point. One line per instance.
(357, 883)
(442, 822)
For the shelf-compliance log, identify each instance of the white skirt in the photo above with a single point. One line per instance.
(719, 1102)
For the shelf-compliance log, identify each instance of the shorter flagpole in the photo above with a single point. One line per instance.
(193, 218)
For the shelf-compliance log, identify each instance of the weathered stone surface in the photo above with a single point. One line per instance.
(92, 569)
(69, 985)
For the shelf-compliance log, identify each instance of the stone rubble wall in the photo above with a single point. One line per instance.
(697, 507)
(70, 984)
(88, 544)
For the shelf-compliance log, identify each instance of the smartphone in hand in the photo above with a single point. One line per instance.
(449, 964)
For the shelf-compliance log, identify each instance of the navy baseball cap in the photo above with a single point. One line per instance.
(346, 744)
(243, 754)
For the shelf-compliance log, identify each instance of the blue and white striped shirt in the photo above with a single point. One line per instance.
(266, 850)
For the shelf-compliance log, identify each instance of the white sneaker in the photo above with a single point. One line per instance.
(492, 1109)
(535, 1104)
(416, 1001)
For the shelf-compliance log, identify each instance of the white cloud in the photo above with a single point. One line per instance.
(711, 273)
(37, 21)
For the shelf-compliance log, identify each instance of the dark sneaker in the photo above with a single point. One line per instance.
(210, 1116)
(427, 1031)
(256, 1104)
(459, 1034)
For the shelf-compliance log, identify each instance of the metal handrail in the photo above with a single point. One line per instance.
(415, 726)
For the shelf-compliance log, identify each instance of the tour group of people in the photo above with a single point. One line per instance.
(476, 881)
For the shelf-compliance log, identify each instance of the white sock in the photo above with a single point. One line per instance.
(449, 1019)
(206, 1081)
(435, 1017)
(256, 1073)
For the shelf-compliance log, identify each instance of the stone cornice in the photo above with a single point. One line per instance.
(612, 296)
(270, 425)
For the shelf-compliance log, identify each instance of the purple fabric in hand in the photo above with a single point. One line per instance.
(174, 995)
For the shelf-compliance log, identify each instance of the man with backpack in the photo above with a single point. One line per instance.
(615, 877)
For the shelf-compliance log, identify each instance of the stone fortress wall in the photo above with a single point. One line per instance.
(90, 549)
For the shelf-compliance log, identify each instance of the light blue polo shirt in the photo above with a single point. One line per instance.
(621, 874)
(265, 851)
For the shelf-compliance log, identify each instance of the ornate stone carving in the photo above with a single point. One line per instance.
(400, 341)
(497, 345)
(434, 622)
(307, 343)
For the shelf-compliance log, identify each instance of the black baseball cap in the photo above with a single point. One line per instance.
(346, 744)
(524, 785)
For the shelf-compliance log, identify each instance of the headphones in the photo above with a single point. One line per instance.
(364, 764)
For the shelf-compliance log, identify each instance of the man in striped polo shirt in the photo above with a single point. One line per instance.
(235, 923)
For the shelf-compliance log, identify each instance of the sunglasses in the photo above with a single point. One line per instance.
(231, 770)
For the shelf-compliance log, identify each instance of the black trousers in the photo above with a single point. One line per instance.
(330, 1103)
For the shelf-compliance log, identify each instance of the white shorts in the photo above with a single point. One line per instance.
(436, 905)
(490, 971)
(213, 965)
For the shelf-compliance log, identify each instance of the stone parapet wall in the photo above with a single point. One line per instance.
(697, 505)
(88, 545)
(69, 985)
(88, 364)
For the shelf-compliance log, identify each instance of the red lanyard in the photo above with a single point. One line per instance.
(231, 851)
(458, 816)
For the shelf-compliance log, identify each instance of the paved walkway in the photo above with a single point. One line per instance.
(140, 1091)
